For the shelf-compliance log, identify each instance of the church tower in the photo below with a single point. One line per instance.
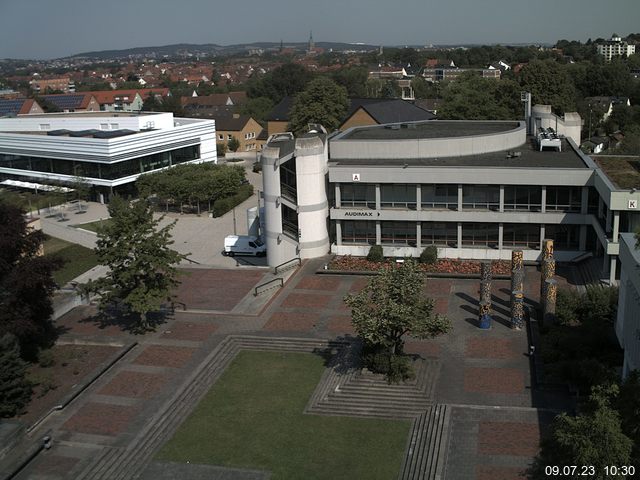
(312, 46)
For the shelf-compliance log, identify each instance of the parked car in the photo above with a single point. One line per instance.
(243, 245)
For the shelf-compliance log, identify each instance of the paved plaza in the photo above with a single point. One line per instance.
(495, 413)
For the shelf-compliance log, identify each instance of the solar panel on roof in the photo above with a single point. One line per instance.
(113, 133)
(65, 101)
(10, 107)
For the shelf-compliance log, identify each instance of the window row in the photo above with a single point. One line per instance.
(474, 197)
(445, 234)
(107, 171)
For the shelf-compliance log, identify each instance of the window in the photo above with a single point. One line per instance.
(115, 126)
(45, 126)
(439, 196)
(441, 234)
(358, 195)
(104, 126)
(521, 235)
(480, 234)
(564, 199)
(290, 222)
(565, 237)
(398, 233)
(398, 196)
(358, 232)
(229, 136)
(481, 197)
(220, 137)
(523, 197)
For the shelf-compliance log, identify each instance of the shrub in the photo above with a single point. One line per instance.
(221, 149)
(599, 303)
(396, 368)
(429, 255)
(223, 205)
(233, 145)
(45, 359)
(567, 307)
(15, 389)
(375, 254)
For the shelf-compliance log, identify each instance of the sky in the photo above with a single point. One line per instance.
(44, 29)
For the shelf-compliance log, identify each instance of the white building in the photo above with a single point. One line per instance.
(109, 150)
(615, 47)
(628, 320)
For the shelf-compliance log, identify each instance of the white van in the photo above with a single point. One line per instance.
(243, 245)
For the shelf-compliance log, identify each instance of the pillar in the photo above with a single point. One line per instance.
(460, 196)
(517, 309)
(484, 315)
(548, 272)
(501, 209)
(500, 237)
(377, 196)
(459, 235)
(612, 270)
(418, 197)
(378, 233)
(517, 260)
(616, 226)
(338, 198)
(418, 235)
(549, 304)
(338, 232)
(584, 201)
(547, 248)
(543, 199)
(485, 282)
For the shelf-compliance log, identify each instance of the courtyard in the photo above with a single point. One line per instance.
(160, 411)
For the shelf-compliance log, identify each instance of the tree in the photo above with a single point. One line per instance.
(15, 389)
(472, 97)
(323, 102)
(234, 144)
(392, 305)
(286, 80)
(549, 84)
(26, 283)
(354, 79)
(628, 405)
(142, 266)
(594, 438)
(257, 108)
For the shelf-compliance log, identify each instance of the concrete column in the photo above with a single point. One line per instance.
(338, 232)
(605, 264)
(418, 235)
(337, 195)
(582, 242)
(542, 237)
(377, 196)
(378, 233)
(500, 235)
(418, 197)
(459, 235)
(501, 199)
(543, 199)
(460, 197)
(608, 220)
(584, 202)
(612, 270)
(600, 207)
(616, 226)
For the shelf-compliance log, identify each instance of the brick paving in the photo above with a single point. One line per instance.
(208, 289)
(182, 330)
(508, 438)
(101, 419)
(494, 380)
(490, 472)
(292, 322)
(485, 376)
(165, 356)
(134, 384)
(48, 464)
(491, 348)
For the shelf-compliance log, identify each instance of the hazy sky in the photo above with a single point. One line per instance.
(56, 28)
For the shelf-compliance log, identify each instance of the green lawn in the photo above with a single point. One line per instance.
(93, 226)
(79, 259)
(252, 418)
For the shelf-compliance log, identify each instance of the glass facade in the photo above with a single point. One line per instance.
(358, 232)
(106, 171)
(521, 235)
(398, 233)
(564, 199)
(441, 234)
(398, 196)
(289, 222)
(565, 237)
(481, 197)
(288, 180)
(523, 197)
(480, 234)
(439, 197)
(358, 195)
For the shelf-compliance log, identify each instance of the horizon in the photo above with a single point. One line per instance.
(116, 26)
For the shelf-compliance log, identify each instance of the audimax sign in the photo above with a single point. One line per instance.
(358, 213)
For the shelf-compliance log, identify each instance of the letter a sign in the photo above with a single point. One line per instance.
(355, 177)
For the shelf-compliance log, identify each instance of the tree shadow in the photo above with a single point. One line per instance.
(127, 321)
(344, 355)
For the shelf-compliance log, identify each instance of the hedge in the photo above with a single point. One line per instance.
(223, 205)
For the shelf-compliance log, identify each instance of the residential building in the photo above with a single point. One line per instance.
(43, 85)
(118, 100)
(18, 106)
(109, 150)
(244, 128)
(606, 104)
(475, 189)
(615, 47)
(73, 102)
(212, 105)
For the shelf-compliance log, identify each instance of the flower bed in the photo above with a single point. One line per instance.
(445, 265)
